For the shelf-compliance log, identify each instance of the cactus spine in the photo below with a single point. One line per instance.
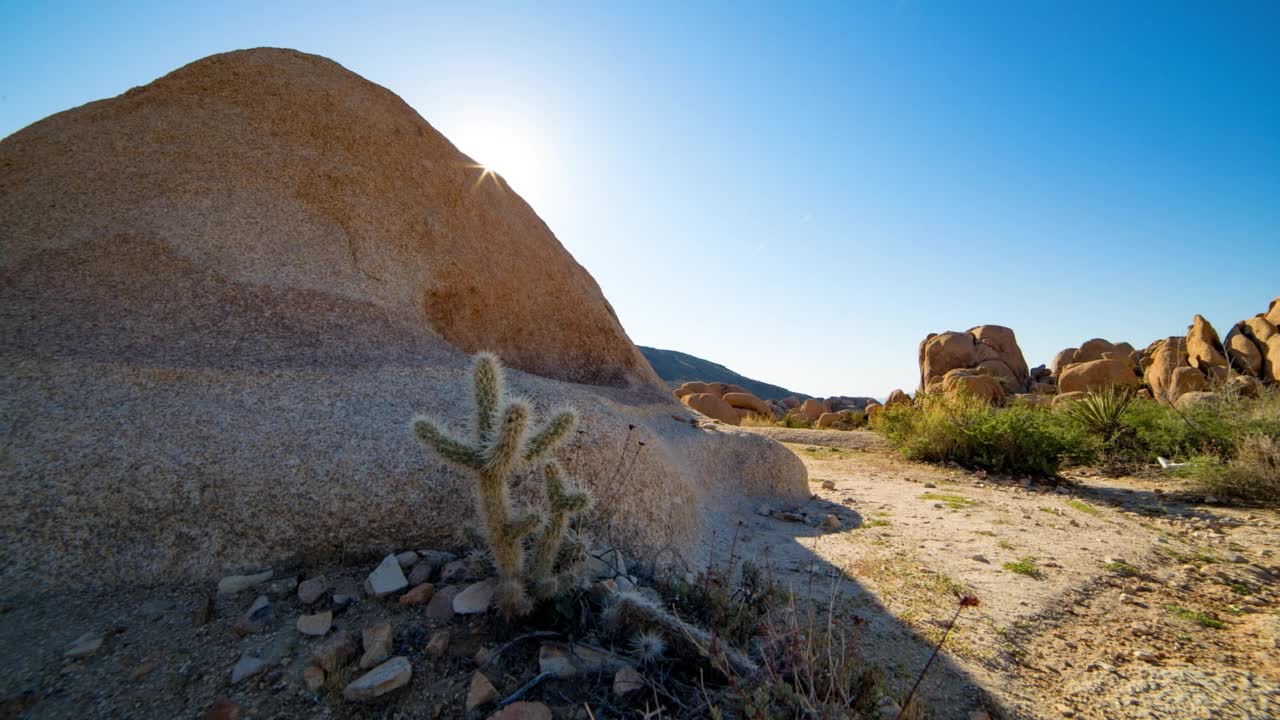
(503, 442)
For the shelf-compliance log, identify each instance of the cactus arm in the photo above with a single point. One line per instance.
(486, 375)
(560, 504)
(504, 453)
(551, 433)
(452, 450)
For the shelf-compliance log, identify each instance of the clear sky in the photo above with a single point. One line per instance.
(804, 191)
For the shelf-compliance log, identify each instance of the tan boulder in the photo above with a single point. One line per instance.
(1242, 351)
(1097, 374)
(1205, 351)
(992, 347)
(713, 406)
(690, 388)
(791, 402)
(1189, 400)
(1273, 312)
(873, 412)
(747, 401)
(1260, 329)
(719, 389)
(1064, 398)
(1271, 359)
(1160, 360)
(1063, 359)
(978, 386)
(1185, 380)
(811, 409)
(1041, 388)
(227, 292)
(826, 420)
(897, 397)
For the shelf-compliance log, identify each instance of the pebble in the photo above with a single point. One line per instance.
(255, 619)
(84, 646)
(439, 643)
(481, 691)
(387, 578)
(553, 659)
(282, 588)
(523, 710)
(407, 559)
(476, 598)
(627, 680)
(418, 595)
(202, 611)
(828, 484)
(246, 667)
(334, 652)
(1144, 656)
(390, 675)
(310, 591)
(441, 606)
(377, 645)
(235, 583)
(421, 573)
(317, 624)
(831, 523)
(980, 558)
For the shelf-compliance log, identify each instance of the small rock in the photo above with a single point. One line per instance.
(627, 680)
(554, 659)
(255, 619)
(1110, 560)
(310, 591)
(790, 516)
(482, 656)
(441, 606)
(1064, 710)
(481, 691)
(764, 510)
(930, 485)
(828, 484)
(1237, 558)
(334, 652)
(1127, 599)
(523, 710)
(155, 609)
(313, 677)
(377, 644)
(1144, 656)
(246, 667)
(407, 559)
(421, 573)
(282, 588)
(831, 523)
(453, 571)
(317, 624)
(235, 583)
(606, 564)
(476, 598)
(980, 558)
(439, 643)
(392, 674)
(201, 613)
(386, 578)
(223, 709)
(84, 646)
(418, 594)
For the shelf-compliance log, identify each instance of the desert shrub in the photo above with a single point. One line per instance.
(1250, 475)
(1018, 439)
(791, 420)
(1213, 429)
(759, 421)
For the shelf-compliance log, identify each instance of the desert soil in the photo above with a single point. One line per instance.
(1143, 602)
(1140, 603)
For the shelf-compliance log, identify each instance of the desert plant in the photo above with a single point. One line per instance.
(503, 442)
(1250, 475)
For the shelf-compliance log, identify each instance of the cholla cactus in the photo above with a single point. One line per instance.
(633, 611)
(502, 443)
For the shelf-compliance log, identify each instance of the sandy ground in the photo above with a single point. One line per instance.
(1137, 605)
(1133, 604)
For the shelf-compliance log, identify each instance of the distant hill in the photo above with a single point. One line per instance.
(676, 368)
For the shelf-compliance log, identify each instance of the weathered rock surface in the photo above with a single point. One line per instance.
(390, 675)
(973, 384)
(897, 397)
(231, 345)
(1205, 351)
(1097, 374)
(992, 348)
(713, 406)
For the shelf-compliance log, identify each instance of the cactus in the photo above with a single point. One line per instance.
(503, 442)
(633, 611)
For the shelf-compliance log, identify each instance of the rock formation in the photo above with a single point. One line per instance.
(1253, 346)
(988, 350)
(225, 293)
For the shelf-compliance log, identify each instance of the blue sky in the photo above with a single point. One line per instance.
(802, 193)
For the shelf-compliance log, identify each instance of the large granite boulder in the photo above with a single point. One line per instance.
(991, 348)
(1205, 351)
(1091, 375)
(224, 294)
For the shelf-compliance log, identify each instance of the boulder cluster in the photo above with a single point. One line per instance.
(731, 404)
(985, 362)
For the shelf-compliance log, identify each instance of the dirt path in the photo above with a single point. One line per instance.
(1100, 597)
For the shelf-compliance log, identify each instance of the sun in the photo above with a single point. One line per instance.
(503, 155)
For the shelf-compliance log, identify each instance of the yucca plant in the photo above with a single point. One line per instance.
(1101, 412)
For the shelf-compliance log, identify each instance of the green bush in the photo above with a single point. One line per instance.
(1251, 475)
(1018, 439)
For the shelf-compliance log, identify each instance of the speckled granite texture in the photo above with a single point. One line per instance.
(224, 294)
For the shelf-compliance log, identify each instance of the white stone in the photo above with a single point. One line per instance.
(84, 646)
(246, 667)
(386, 578)
(392, 674)
(475, 598)
(317, 624)
(235, 583)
